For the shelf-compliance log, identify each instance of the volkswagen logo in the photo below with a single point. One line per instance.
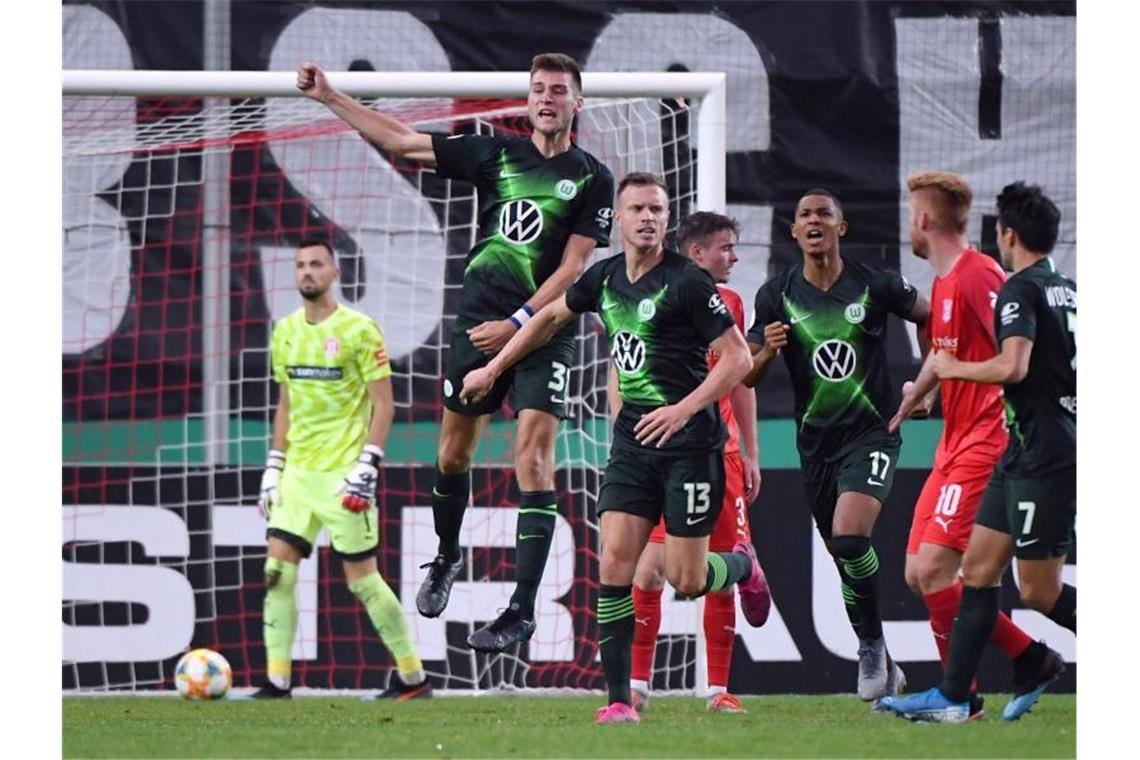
(834, 360)
(520, 221)
(628, 353)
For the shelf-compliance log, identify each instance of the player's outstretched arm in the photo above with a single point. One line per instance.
(1007, 368)
(775, 338)
(379, 129)
(658, 426)
(536, 332)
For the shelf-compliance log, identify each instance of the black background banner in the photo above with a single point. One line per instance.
(833, 119)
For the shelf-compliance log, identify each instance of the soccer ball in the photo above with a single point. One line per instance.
(203, 674)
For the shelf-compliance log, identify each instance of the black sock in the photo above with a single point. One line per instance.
(537, 511)
(849, 605)
(1064, 612)
(977, 618)
(725, 569)
(449, 495)
(859, 568)
(615, 638)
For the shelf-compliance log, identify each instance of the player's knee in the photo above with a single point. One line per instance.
(1038, 595)
(534, 465)
(850, 547)
(276, 575)
(689, 581)
(649, 578)
(452, 460)
(617, 567)
(981, 572)
(910, 574)
(930, 577)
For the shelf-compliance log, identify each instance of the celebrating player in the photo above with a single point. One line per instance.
(973, 432)
(545, 204)
(709, 239)
(828, 316)
(662, 313)
(333, 416)
(1029, 507)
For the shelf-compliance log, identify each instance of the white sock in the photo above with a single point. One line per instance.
(281, 682)
(413, 679)
(714, 690)
(641, 686)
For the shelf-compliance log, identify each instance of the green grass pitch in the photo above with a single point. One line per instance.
(518, 726)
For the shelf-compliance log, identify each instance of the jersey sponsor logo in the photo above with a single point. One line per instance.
(566, 189)
(834, 360)
(646, 309)
(799, 318)
(1069, 404)
(716, 305)
(332, 347)
(1010, 312)
(947, 308)
(628, 352)
(944, 523)
(301, 372)
(520, 222)
(855, 313)
(603, 217)
(946, 344)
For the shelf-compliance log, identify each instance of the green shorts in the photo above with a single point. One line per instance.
(687, 488)
(1038, 513)
(307, 501)
(868, 467)
(540, 380)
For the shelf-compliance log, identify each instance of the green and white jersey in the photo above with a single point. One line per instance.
(529, 205)
(836, 351)
(659, 328)
(326, 368)
(1039, 303)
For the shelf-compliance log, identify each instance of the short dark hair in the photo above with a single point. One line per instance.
(699, 226)
(641, 179)
(1026, 210)
(313, 242)
(557, 62)
(825, 193)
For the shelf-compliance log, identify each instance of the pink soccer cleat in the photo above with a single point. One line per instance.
(618, 712)
(755, 598)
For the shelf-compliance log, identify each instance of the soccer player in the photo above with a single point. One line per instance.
(709, 239)
(828, 316)
(662, 313)
(333, 415)
(545, 204)
(1030, 505)
(973, 432)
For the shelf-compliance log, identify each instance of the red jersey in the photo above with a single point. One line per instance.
(962, 322)
(736, 308)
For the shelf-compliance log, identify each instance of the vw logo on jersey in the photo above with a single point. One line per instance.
(646, 309)
(566, 189)
(834, 360)
(520, 221)
(628, 352)
(855, 313)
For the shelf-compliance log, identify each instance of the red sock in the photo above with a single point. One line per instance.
(647, 617)
(720, 633)
(1007, 637)
(943, 608)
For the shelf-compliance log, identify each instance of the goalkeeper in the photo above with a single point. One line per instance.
(333, 417)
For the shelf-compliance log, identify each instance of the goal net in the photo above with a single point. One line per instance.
(181, 217)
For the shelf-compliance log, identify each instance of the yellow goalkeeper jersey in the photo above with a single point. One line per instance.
(327, 368)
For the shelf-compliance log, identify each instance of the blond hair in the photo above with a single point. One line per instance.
(950, 197)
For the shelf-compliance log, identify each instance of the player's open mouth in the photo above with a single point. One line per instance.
(815, 235)
(546, 113)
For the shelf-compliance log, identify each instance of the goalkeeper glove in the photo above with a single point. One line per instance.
(359, 486)
(267, 498)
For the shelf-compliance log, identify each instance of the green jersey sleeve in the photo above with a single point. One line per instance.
(462, 156)
(275, 357)
(371, 354)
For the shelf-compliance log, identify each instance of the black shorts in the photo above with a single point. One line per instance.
(540, 380)
(867, 467)
(687, 488)
(1038, 513)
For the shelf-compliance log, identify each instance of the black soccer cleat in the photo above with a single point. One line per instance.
(404, 692)
(509, 628)
(436, 589)
(269, 691)
(977, 706)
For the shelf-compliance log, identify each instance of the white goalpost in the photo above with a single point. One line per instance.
(185, 193)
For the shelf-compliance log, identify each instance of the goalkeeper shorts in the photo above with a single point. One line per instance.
(307, 501)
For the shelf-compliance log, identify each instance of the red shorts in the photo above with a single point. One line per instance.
(732, 522)
(944, 513)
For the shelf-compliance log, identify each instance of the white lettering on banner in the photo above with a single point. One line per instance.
(479, 601)
(647, 42)
(166, 593)
(939, 82)
(96, 243)
(357, 188)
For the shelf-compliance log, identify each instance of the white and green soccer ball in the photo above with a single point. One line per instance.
(203, 674)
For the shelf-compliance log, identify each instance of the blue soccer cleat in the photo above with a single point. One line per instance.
(930, 706)
(1031, 684)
